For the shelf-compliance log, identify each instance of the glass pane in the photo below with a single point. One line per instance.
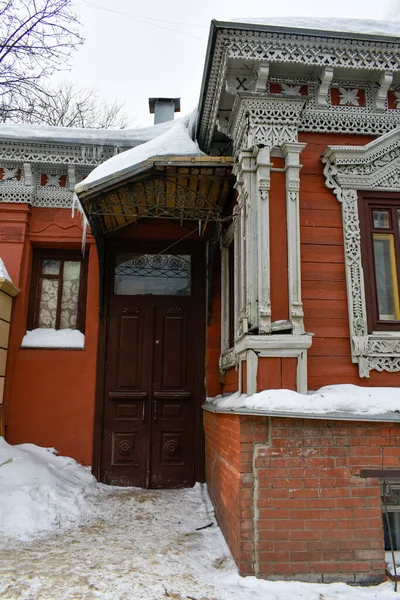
(70, 294)
(386, 277)
(51, 267)
(157, 274)
(381, 219)
(394, 522)
(48, 303)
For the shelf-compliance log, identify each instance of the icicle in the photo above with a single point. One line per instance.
(76, 205)
(85, 224)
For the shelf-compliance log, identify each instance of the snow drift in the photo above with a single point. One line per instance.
(41, 492)
(346, 399)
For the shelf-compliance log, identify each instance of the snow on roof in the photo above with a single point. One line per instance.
(346, 399)
(73, 135)
(177, 141)
(361, 26)
(3, 272)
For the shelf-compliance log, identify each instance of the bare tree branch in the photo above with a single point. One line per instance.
(37, 38)
(64, 106)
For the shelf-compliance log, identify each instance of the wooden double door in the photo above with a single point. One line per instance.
(152, 404)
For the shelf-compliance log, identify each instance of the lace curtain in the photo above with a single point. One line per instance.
(65, 280)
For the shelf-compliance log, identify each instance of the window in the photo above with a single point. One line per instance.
(391, 495)
(58, 290)
(228, 290)
(153, 274)
(380, 242)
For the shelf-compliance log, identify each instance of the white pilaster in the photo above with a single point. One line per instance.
(292, 153)
(261, 201)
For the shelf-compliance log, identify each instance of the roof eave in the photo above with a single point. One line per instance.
(84, 190)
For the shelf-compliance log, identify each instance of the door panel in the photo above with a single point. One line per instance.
(173, 394)
(151, 391)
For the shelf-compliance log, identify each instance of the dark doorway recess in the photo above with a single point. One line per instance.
(153, 384)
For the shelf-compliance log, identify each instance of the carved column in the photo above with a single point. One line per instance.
(292, 153)
(263, 168)
(246, 243)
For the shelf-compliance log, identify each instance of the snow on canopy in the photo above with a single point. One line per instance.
(40, 491)
(177, 141)
(346, 399)
(111, 137)
(361, 26)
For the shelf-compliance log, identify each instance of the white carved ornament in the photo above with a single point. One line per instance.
(380, 58)
(257, 120)
(348, 170)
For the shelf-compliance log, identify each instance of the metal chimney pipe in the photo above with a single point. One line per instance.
(164, 109)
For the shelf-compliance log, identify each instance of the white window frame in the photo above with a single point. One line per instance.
(348, 170)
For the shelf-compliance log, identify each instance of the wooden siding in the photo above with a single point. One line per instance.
(323, 272)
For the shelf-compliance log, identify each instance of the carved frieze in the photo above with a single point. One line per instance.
(368, 106)
(257, 120)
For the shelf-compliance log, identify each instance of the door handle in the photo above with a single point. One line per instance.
(155, 409)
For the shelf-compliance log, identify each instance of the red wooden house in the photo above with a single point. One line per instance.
(263, 255)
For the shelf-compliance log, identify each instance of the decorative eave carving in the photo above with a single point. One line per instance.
(347, 170)
(23, 162)
(257, 120)
(323, 55)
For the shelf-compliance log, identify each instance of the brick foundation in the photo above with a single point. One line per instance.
(289, 498)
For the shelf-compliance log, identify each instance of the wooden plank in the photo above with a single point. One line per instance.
(324, 308)
(320, 218)
(312, 183)
(278, 248)
(330, 328)
(321, 235)
(325, 365)
(322, 254)
(327, 347)
(311, 200)
(269, 375)
(333, 139)
(289, 374)
(331, 290)
(323, 272)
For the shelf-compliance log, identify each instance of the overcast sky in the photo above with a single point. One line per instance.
(157, 48)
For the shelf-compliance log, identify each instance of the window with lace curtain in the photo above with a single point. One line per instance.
(58, 290)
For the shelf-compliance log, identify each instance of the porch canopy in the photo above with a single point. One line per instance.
(181, 188)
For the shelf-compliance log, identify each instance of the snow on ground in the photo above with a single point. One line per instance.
(65, 537)
(346, 399)
(39, 491)
(45, 337)
(363, 26)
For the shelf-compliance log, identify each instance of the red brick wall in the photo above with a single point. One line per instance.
(315, 518)
(227, 486)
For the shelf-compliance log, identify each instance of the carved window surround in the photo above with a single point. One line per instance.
(350, 169)
(251, 347)
(261, 126)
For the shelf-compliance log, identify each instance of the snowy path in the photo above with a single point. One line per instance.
(145, 546)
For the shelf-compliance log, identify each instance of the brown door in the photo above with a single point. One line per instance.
(151, 399)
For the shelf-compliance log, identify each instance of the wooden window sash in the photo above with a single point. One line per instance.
(368, 202)
(39, 256)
